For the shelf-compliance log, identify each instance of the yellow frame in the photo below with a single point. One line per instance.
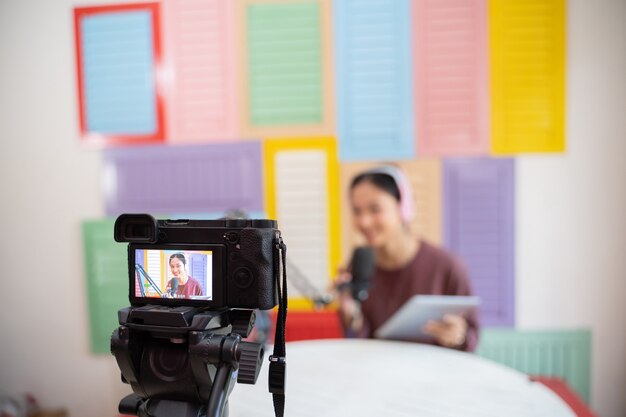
(271, 148)
(502, 100)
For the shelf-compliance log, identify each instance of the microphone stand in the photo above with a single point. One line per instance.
(144, 275)
(305, 287)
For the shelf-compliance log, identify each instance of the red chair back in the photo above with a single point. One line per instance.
(307, 325)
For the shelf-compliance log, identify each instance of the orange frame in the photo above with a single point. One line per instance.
(105, 139)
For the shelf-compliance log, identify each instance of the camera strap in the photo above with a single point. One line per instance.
(278, 363)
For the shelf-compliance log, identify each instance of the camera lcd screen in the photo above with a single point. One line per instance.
(173, 274)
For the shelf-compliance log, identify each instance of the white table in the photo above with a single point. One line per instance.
(351, 377)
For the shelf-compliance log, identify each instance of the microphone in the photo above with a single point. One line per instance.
(174, 287)
(363, 265)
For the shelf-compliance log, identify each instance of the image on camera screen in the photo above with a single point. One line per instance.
(184, 274)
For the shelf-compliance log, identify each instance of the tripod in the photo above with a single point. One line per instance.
(183, 361)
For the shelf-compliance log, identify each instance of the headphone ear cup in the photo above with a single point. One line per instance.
(406, 198)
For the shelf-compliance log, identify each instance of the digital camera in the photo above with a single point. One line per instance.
(194, 286)
(202, 263)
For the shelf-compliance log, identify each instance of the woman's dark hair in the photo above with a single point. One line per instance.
(179, 256)
(383, 181)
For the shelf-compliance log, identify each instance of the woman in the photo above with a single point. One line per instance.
(187, 286)
(405, 266)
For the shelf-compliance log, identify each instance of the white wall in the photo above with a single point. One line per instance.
(47, 186)
(571, 210)
(571, 228)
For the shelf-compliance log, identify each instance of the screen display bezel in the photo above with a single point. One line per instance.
(217, 258)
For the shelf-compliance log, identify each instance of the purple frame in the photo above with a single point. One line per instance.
(183, 179)
(479, 227)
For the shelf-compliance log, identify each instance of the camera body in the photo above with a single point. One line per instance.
(236, 259)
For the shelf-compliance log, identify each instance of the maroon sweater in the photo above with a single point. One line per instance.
(190, 288)
(432, 271)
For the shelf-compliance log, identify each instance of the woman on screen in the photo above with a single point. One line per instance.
(185, 286)
(404, 265)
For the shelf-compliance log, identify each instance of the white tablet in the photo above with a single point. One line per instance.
(408, 321)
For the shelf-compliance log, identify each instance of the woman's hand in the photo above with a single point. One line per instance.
(449, 332)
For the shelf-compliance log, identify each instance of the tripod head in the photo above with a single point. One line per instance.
(183, 361)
